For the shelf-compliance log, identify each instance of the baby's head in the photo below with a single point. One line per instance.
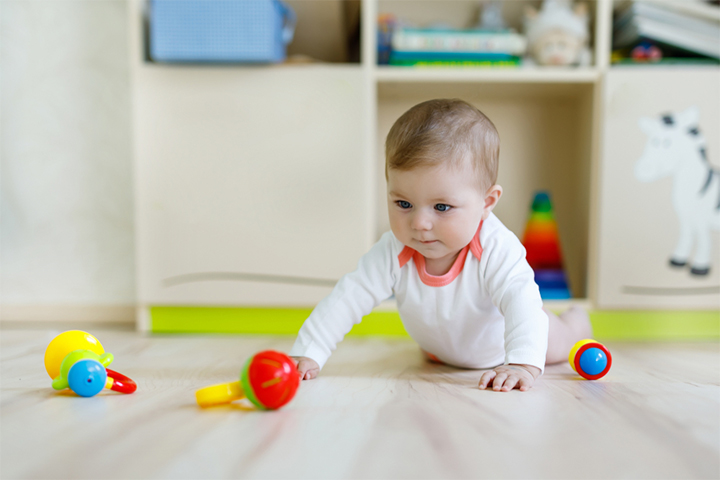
(441, 162)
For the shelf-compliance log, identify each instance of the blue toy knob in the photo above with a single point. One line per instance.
(593, 361)
(87, 378)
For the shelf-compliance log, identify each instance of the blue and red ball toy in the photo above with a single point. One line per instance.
(590, 359)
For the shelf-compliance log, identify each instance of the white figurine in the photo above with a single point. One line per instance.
(558, 34)
(491, 17)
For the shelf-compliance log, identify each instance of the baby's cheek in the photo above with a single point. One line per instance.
(399, 230)
(465, 232)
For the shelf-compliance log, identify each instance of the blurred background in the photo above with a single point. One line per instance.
(230, 153)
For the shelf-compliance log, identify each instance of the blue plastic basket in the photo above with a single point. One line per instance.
(244, 31)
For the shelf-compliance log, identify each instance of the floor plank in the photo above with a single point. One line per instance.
(377, 410)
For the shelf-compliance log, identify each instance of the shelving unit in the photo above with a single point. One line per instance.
(547, 118)
(550, 122)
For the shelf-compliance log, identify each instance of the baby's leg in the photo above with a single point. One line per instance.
(570, 327)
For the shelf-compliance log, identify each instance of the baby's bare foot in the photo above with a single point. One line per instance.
(565, 331)
(578, 323)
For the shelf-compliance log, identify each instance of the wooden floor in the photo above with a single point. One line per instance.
(378, 410)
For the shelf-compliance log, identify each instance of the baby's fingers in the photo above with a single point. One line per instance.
(310, 374)
(307, 368)
(524, 384)
(486, 378)
(307, 372)
(499, 381)
(510, 383)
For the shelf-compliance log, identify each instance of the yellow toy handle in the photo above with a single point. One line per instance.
(219, 394)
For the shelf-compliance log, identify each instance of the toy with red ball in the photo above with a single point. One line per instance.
(268, 379)
(590, 359)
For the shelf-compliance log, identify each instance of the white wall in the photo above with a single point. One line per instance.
(66, 235)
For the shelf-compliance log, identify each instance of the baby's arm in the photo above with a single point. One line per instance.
(354, 296)
(511, 284)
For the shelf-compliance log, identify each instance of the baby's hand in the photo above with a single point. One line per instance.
(307, 367)
(506, 377)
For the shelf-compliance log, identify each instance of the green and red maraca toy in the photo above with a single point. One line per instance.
(268, 379)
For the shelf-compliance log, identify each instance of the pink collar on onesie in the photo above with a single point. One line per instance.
(440, 281)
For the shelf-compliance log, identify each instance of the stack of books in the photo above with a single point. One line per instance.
(685, 32)
(431, 47)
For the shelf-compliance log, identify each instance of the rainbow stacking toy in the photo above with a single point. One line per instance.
(542, 243)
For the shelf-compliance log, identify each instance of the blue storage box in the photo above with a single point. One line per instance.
(244, 31)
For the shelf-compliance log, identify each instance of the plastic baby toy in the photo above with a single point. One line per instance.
(77, 360)
(590, 359)
(268, 380)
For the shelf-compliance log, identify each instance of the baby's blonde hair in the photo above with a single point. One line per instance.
(444, 130)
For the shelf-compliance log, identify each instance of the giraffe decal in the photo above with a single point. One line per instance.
(675, 147)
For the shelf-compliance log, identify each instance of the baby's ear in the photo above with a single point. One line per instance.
(492, 197)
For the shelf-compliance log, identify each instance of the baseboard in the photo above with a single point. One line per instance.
(68, 313)
(383, 321)
(607, 325)
(656, 325)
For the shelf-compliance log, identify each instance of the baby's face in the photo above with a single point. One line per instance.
(435, 210)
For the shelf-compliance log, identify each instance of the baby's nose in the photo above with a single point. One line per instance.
(421, 221)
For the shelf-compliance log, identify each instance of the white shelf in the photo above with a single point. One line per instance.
(488, 75)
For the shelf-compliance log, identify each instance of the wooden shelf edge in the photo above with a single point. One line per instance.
(510, 75)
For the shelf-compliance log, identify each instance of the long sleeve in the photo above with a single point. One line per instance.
(511, 284)
(354, 296)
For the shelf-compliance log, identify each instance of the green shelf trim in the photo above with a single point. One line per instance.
(265, 321)
(607, 325)
(656, 325)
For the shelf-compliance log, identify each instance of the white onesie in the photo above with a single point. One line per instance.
(484, 312)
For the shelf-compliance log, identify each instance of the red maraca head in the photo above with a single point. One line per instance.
(269, 379)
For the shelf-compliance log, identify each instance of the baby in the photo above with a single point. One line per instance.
(464, 290)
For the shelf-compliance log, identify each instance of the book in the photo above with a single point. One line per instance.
(456, 63)
(668, 61)
(687, 40)
(655, 22)
(453, 59)
(659, 12)
(707, 9)
(427, 40)
(449, 56)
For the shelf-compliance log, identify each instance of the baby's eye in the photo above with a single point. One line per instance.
(403, 204)
(441, 207)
